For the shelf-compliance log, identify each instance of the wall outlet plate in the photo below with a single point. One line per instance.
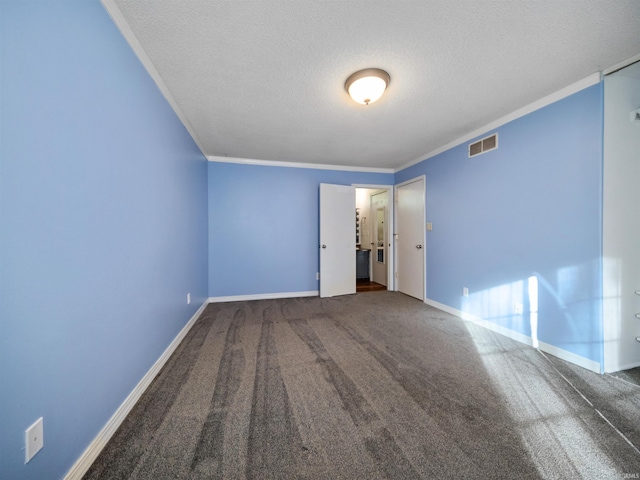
(188, 299)
(34, 439)
(465, 292)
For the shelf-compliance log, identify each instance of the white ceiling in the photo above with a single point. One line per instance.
(265, 79)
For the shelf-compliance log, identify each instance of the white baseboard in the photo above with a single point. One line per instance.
(542, 346)
(263, 296)
(95, 447)
(618, 368)
(570, 357)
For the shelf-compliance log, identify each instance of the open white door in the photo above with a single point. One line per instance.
(337, 240)
(411, 238)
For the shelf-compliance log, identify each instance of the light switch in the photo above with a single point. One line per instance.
(429, 226)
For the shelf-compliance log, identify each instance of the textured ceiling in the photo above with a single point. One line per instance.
(265, 79)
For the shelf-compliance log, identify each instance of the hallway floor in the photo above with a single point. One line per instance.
(366, 285)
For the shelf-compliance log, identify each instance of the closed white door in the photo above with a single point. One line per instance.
(337, 240)
(411, 239)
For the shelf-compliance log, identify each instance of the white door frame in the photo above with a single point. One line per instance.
(391, 280)
(423, 227)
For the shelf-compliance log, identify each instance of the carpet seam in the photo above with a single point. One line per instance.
(622, 380)
(590, 403)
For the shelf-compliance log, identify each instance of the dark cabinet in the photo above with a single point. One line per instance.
(362, 264)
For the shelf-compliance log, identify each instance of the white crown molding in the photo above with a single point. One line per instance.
(263, 296)
(521, 112)
(117, 17)
(373, 186)
(315, 166)
(519, 337)
(100, 441)
(622, 65)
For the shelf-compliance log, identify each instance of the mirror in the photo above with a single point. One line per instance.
(380, 234)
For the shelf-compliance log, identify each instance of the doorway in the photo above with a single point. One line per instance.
(375, 239)
(339, 248)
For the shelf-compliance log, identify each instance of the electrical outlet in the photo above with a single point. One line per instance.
(33, 440)
(518, 309)
(429, 226)
(188, 299)
(465, 292)
(317, 275)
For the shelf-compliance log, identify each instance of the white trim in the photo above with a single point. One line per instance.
(507, 332)
(99, 442)
(570, 357)
(621, 65)
(467, 317)
(119, 20)
(532, 107)
(117, 17)
(315, 166)
(263, 296)
(371, 186)
(412, 180)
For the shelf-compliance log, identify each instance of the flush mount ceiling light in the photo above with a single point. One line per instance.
(366, 86)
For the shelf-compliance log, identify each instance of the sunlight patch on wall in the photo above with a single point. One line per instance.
(503, 305)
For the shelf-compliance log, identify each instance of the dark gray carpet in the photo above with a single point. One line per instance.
(632, 375)
(369, 386)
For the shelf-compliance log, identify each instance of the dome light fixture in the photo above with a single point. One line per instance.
(366, 86)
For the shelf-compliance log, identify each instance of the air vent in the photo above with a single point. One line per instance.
(482, 146)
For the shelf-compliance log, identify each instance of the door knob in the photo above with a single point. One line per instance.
(418, 247)
(324, 246)
(637, 292)
(638, 316)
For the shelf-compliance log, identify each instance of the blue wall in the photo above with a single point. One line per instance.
(103, 214)
(533, 207)
(263, 226)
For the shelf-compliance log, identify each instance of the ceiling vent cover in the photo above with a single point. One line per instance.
(482, 146)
